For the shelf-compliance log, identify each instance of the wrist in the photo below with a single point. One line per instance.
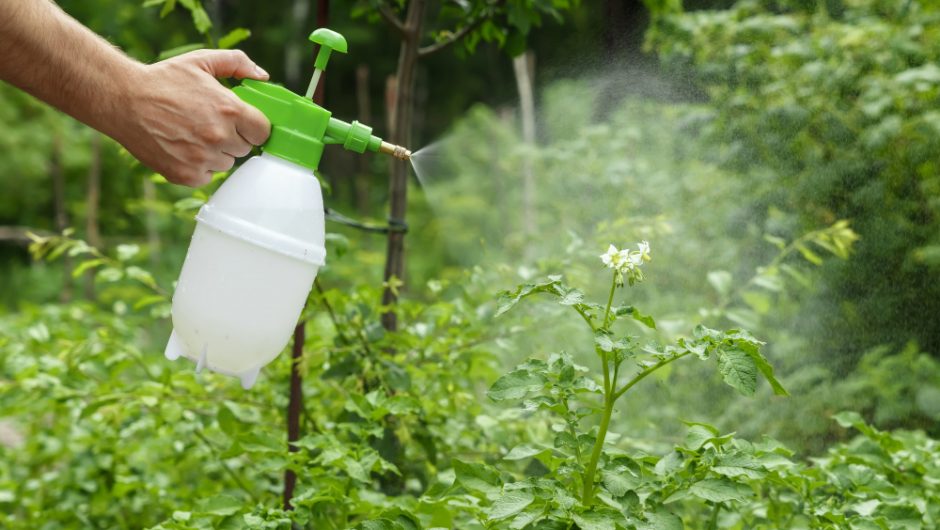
(119, 106)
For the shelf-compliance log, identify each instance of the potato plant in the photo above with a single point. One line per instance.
(400, 430)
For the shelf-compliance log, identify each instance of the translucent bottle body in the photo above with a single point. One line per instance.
(256, 250)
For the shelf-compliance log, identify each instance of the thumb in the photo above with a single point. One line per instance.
(231, 63)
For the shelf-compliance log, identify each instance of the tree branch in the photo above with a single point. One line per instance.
(386, 13)
(17, 234)
(454, 37)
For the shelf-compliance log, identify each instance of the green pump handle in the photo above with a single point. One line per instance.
(299, 127)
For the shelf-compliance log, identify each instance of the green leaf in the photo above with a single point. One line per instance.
(595, 520)
(571, 297)
(767, 370)
(189, 203)
(149, 300)
(508, 299)
(668, 464)
(720, 490)
(220, 505)
(260, 441)
(604, 341)
(760, 302)
(809, 255)
(646, 320)
(523, 451)
(356, 470)
(848, 418)
(619, 483)
(200, 18)
(515, 385)
(379, 524)
(93, 407)
(778, 242)
(227, 421)
(476, 477)
(698, 435)
(109, 274)
(526, 518)
(721, 281)
(660, 519)
(232, 38)
(509, 504)
(738, 370)
(126, 252)
(142, 276)
(86, 265)
(739, 464)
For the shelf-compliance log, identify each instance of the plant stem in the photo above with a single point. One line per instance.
(228, 471)
(608, 385)
(584, 315)
(588, 491)
(642, 375)
(609, 399)
(610, 300)
(713, 523)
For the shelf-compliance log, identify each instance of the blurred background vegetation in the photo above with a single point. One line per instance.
(734, 136)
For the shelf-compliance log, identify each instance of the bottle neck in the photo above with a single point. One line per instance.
(286, 163)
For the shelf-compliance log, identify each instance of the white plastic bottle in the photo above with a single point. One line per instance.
(258, 242)
(254, 255)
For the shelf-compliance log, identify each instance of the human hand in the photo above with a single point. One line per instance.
(182, 123)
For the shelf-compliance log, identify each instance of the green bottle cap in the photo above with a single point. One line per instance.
(297, 124)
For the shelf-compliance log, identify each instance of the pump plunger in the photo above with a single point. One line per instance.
(329, 41)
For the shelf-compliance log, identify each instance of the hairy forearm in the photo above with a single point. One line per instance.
(173, 115)
(48, 54)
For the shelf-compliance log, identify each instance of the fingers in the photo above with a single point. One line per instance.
(236, 147)
(230, 63)
(220, 162)
(252, 125)
(198, 180)
(184, 176)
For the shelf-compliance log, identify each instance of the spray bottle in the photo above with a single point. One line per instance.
(259, 240)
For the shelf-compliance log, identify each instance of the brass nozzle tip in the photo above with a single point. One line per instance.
(397, 151)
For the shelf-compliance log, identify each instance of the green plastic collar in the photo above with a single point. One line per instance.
(297, 124)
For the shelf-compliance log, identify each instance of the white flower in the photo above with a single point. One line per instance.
(635, 259)
(612, 257)
(627, 263)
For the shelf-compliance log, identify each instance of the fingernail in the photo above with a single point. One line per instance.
(260, 72)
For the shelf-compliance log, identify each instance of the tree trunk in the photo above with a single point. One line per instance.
(523, 65)
(296, 401)
(93, 199)
(61, 216)
(361, 181)
(401, 135)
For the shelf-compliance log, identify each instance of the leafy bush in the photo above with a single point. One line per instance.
(828, 110)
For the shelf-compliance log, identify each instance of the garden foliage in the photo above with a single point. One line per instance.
(777, 202)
